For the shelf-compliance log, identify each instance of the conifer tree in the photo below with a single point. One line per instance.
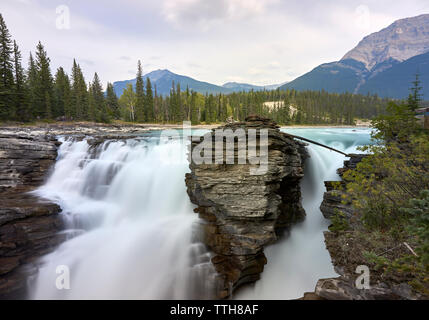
(149, 107)
(44, 84)
(31, 86)
(100, 104)
(141, 113)
(21, 104)
(415, 97)
(62, 92)
(79, 94)
(6, 73)
(92, 109)
(194, 110)
(112, 103)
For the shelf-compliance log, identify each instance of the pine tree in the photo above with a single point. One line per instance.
(79, 94)
(415, 97)
(112, 103)
(194, 110)
(141, 113)
(31, 86)
(100, 103)
(149, 107)
(21, 103)
(6, 73)
(62, 92)
(44, 84)
(92, 109)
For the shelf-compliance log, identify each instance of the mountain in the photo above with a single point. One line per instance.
(383, 63)
(235, 86)
(163, 80)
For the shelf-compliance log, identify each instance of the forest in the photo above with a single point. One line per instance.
(36, 94)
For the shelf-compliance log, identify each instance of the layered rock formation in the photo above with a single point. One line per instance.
(333, 197)
(245, 212)
(28, 226)
(346, 249)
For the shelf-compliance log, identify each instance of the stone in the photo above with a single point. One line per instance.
(29, 227)
(243, 213)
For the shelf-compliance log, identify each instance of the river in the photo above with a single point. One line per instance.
(132, 233)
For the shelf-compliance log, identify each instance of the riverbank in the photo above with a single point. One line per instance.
(120, 127)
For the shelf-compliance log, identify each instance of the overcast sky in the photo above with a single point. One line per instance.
(254, 41)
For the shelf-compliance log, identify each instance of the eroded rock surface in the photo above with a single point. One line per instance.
(345, 251)
(245, 212)
(29, 227)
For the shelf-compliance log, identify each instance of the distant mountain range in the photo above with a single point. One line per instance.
(383, 63)
(163, 80)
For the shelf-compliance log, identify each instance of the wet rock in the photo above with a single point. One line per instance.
(245, 212)
(29, 227)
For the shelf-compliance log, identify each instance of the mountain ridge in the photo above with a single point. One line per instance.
(163, 79)
(360, 70)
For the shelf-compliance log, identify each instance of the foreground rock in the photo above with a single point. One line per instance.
(245, 212)
(346, 250)
(29, 227)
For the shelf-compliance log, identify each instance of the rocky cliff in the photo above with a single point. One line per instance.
(400, 41)
(346, 250)
(245, 212)
(28, 226)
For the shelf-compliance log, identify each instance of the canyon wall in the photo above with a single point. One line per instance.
(29, 227)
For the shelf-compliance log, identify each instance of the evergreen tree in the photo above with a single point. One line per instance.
(44, 84)
(100, 104)
(415, 97)
(112, 103)
(141, 113)
(62, 95)
(194, 110)
(6, 73)
(92, 108)
(31, 86)
(21, 104)
(79, 94)
(149, 107)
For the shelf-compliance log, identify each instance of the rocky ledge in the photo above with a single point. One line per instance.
(345, 250)
(29, 227)
(245, 212)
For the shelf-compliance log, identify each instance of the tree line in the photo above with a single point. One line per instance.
(36, 94)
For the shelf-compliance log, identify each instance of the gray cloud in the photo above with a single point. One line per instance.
(256, 41)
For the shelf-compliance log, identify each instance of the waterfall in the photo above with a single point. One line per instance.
(300, 258)
(131, 227)
(132, 233)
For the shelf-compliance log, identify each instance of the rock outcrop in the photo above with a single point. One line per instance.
(345, 250)
(29, 227)
(333, 197)
(245, 212)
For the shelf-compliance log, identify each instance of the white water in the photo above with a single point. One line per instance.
(300, 258)
(135, 231)
(133, 234)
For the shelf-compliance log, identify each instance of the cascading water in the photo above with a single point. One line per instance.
(300, 258)
(133, 234)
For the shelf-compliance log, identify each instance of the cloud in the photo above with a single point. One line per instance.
(251, 41)
(206, 13)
